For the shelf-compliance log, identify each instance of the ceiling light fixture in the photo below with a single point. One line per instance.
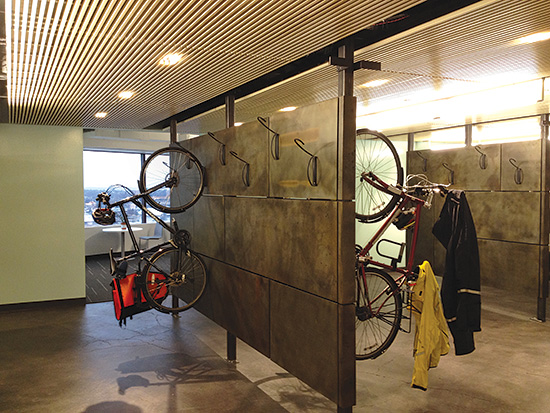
(537, 37)
(238, 123)
(170, 59)
(127, 94)
(288, 109)
(100, 114)
(375, 83)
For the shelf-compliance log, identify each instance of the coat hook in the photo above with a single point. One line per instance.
(246, 169)
(451, 176)
(221, 151)
(518, 175)
(312, 164)
(424, 162)
(274, 147)
(482, 158)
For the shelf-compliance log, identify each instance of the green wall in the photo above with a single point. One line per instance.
(41, 214)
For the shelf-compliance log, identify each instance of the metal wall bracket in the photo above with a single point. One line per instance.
(221, 151)
(245, 174)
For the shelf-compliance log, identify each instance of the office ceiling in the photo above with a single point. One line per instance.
(68, 60)
(474, 48)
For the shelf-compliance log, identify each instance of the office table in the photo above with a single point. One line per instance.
(122, 232)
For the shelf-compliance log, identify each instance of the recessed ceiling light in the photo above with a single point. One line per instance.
(537, 37)
(127, 94)
(238, 123)
(375, 83)
(288, 109)
(100, 114)
(170, 59)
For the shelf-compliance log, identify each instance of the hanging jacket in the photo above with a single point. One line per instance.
(460, 289)
(431, 339)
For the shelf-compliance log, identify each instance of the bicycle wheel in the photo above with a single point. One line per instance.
(173, 280)
(375, 153)
(378, 310)
(182, 176)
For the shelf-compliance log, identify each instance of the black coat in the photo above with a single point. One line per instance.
(460, 290)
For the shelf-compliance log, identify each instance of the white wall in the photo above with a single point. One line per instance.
(42, 232)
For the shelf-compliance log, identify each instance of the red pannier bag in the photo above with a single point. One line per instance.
(125, 297)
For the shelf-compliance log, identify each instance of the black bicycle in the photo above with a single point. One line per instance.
(173, 277)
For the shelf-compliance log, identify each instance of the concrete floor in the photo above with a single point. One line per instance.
(77, 359)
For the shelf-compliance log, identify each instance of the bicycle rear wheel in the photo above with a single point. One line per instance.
(375, 153)
(378, 311)
(182, 175)
(174, 279)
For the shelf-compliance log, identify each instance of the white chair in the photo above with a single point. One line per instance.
(156, 235)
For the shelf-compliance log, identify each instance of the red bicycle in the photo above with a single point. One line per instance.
(379, 296)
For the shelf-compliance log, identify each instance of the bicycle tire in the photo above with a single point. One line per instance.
(184, 178)
(375, 153)
(173, 280)
(378, 312)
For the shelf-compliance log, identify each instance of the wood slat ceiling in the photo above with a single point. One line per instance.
(67, 60)
(473, 49)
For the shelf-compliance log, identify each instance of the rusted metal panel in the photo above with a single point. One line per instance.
(508, 216)
(235, 160)
(510, 266)
(239, 302)
(209, 226)
(290, 241)
(346, 148)
(315, 129)
(346, 252)
(296, 325)
(521, 166)
(467, 168)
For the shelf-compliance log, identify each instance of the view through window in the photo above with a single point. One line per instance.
(104, 170)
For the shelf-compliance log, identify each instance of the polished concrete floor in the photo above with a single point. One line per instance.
(77, 359)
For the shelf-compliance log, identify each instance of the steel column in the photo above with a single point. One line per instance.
(230, 122)
(544, 260)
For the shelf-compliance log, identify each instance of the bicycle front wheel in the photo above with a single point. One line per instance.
(378, 311)
(174, 279)
(375, 153)
(180, 176)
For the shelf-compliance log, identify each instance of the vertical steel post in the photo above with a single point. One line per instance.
(345, 73)
(346, 227)
(174, 139)
(173, 131)
(230, 122)
(544, 258)
(469, 136)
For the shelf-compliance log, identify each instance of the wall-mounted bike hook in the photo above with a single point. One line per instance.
(482, 158)
(424, 162)
(246, 169)
(312, 164)
(274, 146)
(221, 151)
(451, 176)
(518, 175)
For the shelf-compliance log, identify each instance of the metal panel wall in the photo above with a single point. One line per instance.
(316, 127)
(505, 193)
(280, 251)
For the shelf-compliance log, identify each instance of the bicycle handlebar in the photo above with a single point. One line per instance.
(405, 191)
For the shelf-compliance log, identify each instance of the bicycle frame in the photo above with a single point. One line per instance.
(407, 275)
(134, 199)
(406, 199)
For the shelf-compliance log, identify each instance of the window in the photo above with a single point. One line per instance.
(440, 139)
(514, 130)
(106, 169)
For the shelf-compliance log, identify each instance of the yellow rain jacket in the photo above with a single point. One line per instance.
(431, 338)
